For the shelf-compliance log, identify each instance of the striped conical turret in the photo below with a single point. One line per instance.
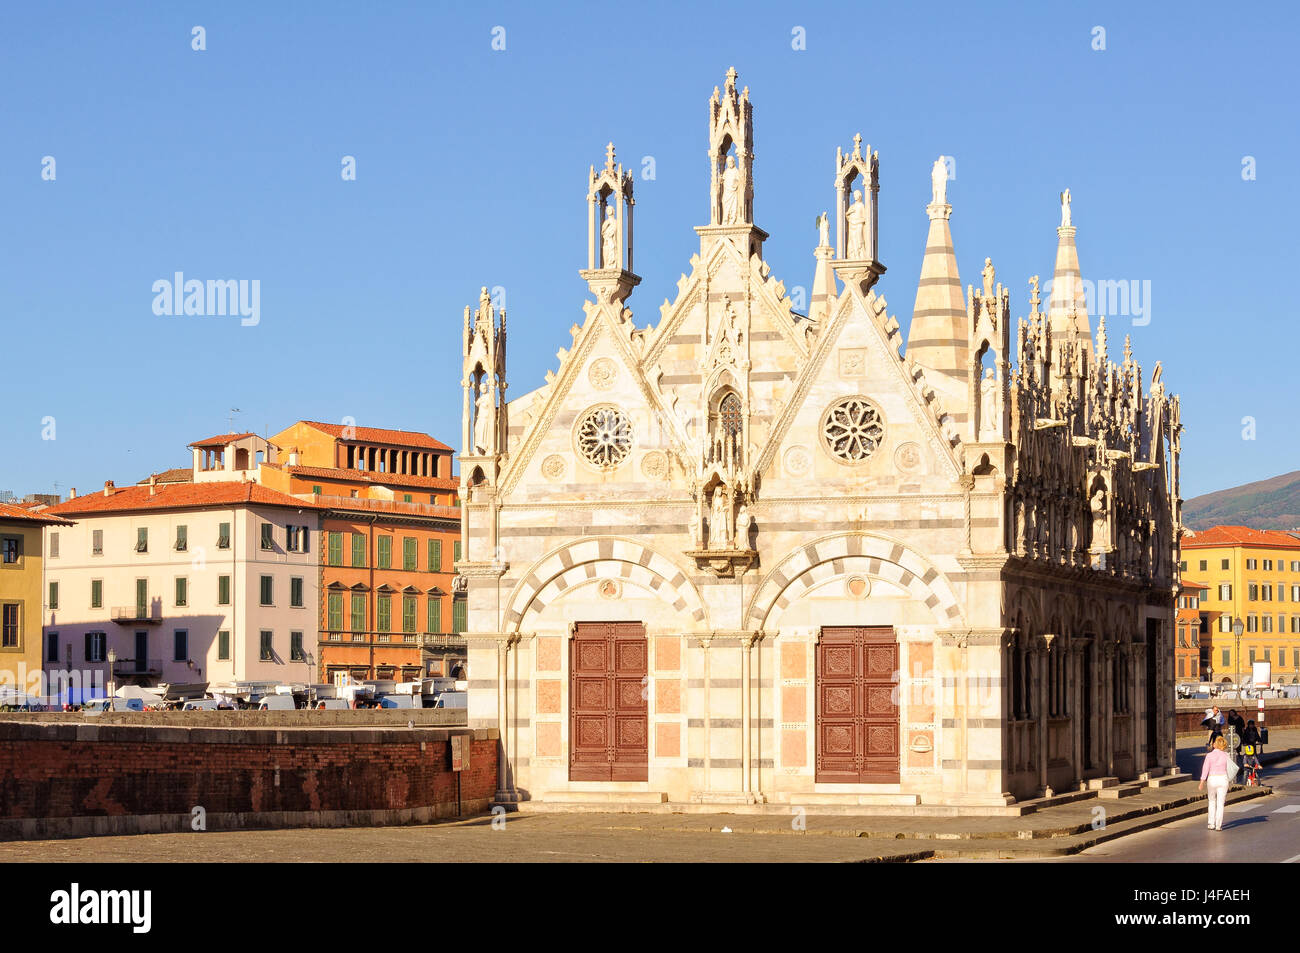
(937, 338)
(1068, 305)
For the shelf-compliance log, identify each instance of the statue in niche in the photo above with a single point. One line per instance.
(988, 404)
(989, 274)
(856, 218)
(719, 519)
(1100, 527)
(939, 182)
(743, 521)
(485, 420)
(609, 240)
(731, 193)
(1065, 209)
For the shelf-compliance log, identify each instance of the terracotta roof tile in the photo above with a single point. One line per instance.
(180, 496)
(174, 475)
(23, 513)
(220, 440)
(1241, 536)
(404, 438)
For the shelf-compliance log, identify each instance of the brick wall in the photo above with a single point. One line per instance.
(240, 777)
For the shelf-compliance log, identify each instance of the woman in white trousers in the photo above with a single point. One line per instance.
(1215, 772)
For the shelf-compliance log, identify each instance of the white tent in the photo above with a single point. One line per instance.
(149, 696)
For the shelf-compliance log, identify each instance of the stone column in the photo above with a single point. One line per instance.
(1075, 668)
(1112, 660)
(1043, 668)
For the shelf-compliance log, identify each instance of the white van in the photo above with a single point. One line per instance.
(330, 704)
(452, 700)
(397, 701)
(200, 704)
(95, 706)
(276, 703)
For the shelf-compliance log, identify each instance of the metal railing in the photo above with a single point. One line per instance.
(438, 639)
(132, 666)
(150, 613)
(387, 506)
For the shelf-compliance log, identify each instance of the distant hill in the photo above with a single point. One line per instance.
(1268, 504)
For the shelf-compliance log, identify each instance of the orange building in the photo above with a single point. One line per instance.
(1188, 650)
(390, 538)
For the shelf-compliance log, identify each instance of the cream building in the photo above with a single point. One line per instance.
(742, 554)
(185, 582)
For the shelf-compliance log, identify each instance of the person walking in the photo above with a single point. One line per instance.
(1215, 770)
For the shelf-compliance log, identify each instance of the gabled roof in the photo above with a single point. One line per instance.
(221, 440)
(174, 475)
(1188, 584)
(15, 513)
(1217, 536)
(401, 438)
(168, 496)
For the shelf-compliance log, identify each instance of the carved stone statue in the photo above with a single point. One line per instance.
(989, 274)
(823, 231)
(1065, 209)
(485, 421)
(731, 193)
(719, 530)
(743, 521)
(609, 241)
(939, 182)
(988, 404)
(856, 218)
(1100, 525)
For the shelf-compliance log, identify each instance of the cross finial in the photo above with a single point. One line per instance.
(857, 145)
(609, 156)
(731, 77)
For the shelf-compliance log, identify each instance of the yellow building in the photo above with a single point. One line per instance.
(1252, 575)
(22, 593)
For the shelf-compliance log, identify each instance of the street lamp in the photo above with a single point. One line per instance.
(1237, 628)
(112, 659)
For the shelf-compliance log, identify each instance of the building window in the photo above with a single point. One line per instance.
(1223, 564)
(223, 644)
(316, 489)
(1252, 563)
(97, 542)
(358, 551)
(295, 647)
(1268, 653)
(12, 549)
(1295, 566)
(1252, 656)
(142, 539)
(1182, 566)
(409, 561)
(1268, 565)
(266, 591)
(435, 555)
(1225, 592)
(384, 609)
(223, 536)
(1295, 623)
(268, 541)
(408, 613)
(1181, 667)
(180, 645)
(182, 591)
(268, 650)
(459, 613)
(295, 592)
(96, 593)
(297, 538)
(1203, 565)
(1252, 592)
(54, 545)
(1268, 623)
(96, 646)
(455, 551)
(182, 538)
(1182, 637)
(334, 612)
(1252, 623)
(1226, 660)
(335, 546)
(9, 617)
(358, 620)
(1225, 623)
(51, 646)
(54, 595)
(223, 590)
(385, 552)
(406, 498)
(435, 615)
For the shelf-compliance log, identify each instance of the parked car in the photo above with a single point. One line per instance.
(200, 704)
(330, 704)
(397, 701)
(452, 700)
(96, 706)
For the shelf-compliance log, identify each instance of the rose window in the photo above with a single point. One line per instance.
(605, 437)
(853, 429)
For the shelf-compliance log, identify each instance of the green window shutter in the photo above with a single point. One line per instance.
(408, 613)
(335, 621)
(358, 551)
(96, 593)
(459, 613)
(182, 591)
(54, 595)
(223, 536)
(295, 592)
(435, 555)
(336, 549)
(358, 612)
(385, 552)
(223, 644)
(385, 614)
(267, 593)
(142, 540)
(223, 590)
(435, 615)
(409, 561)
(182, 538)
(142, 596)
(455, 551)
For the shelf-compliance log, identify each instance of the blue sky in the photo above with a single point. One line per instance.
(471, 170)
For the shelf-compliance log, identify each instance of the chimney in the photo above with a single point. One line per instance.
(108, 487)
(293, 456)
(72, 493)
(153, 483)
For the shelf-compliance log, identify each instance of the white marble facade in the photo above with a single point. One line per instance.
(736, 477)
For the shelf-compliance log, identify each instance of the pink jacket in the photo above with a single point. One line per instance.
(1216, 762)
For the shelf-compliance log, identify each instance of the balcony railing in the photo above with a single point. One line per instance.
(387, 506)
(132, 666)
(431, 639)
(137, 614)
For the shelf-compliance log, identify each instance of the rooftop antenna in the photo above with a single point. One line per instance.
(231, 418)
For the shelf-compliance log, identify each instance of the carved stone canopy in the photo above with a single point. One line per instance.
(724, 563)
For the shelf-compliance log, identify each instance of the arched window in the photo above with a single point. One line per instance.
(730, 421)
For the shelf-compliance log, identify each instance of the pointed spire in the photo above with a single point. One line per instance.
(1068, 307)
(824, 290)
(937, 338)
